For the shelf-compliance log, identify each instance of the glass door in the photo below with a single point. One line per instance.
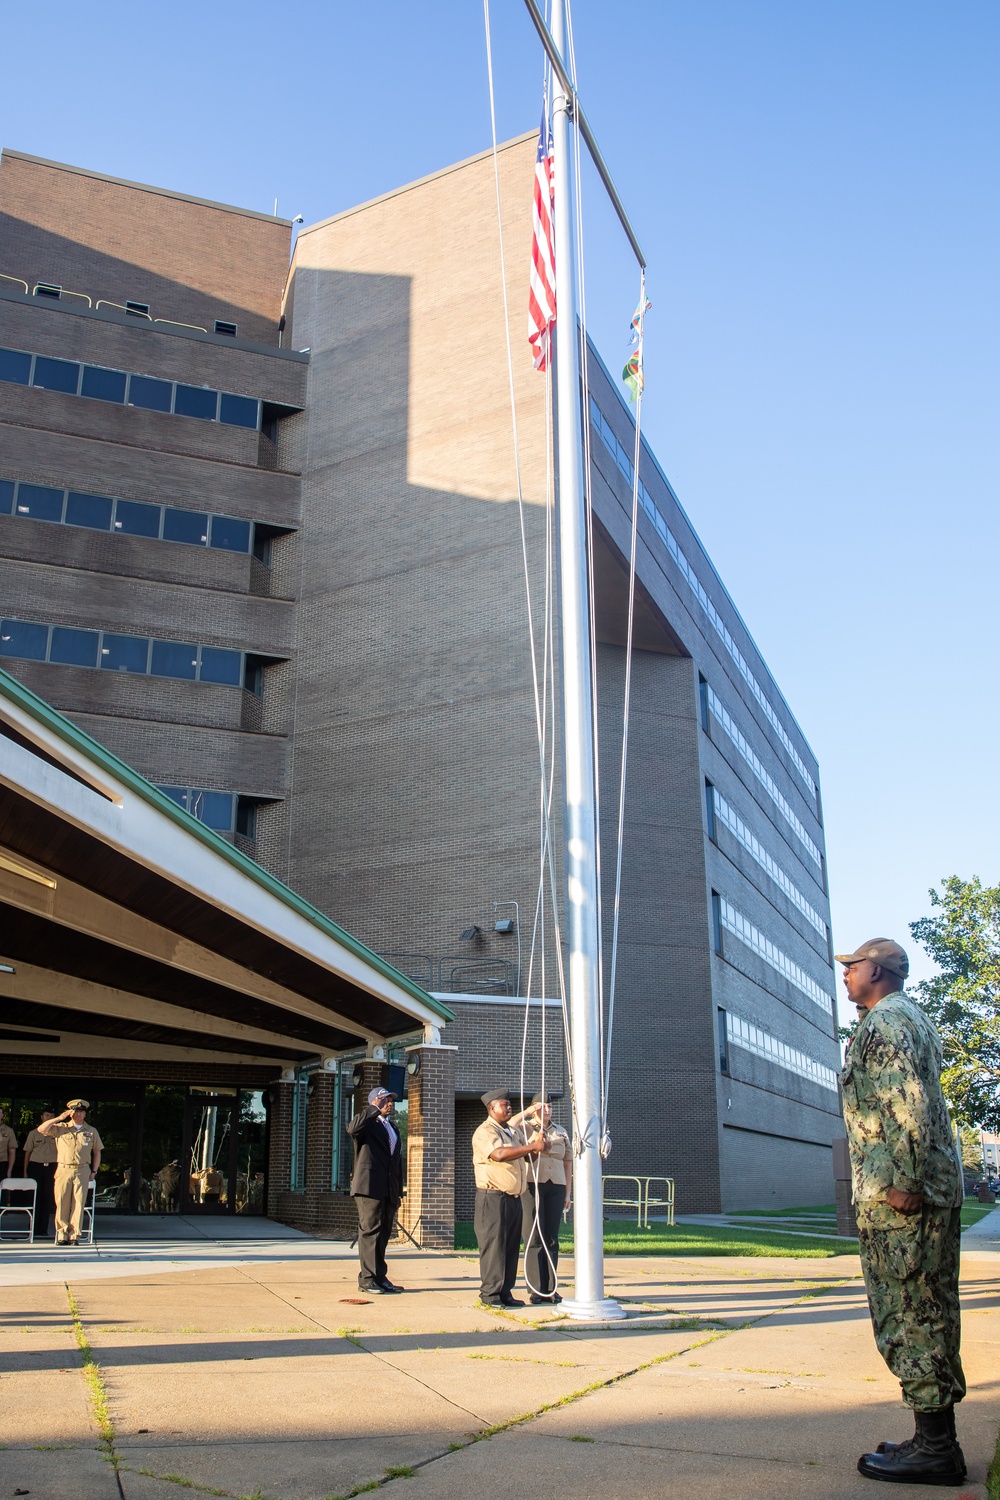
(211, 1132)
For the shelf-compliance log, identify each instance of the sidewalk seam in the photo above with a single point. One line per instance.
(96, 1388)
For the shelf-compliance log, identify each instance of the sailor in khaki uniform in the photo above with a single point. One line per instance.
(40, 1163)
(498, 1154)
(547, 1195)
(8, 1148)
(79, 1150)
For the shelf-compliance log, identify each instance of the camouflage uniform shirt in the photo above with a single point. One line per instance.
(897, 1121)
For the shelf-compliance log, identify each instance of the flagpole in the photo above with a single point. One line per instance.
(589, 1302)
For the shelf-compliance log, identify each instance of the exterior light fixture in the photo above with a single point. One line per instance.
(470, 934)
(505, 925)
(7, 969)
(413, 1066)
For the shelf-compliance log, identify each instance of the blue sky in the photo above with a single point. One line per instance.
(815, 190)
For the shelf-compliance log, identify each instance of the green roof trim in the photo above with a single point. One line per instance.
(17, 693)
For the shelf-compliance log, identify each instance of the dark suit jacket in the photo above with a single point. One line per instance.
(378, 1173)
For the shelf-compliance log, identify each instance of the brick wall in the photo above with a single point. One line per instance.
(191, 260)
(429, 1207)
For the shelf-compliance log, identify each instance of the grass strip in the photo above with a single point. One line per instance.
(993, 1476)
(695, 1239)
(96, 1389)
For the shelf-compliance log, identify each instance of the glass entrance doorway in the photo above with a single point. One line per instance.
(168, 1148)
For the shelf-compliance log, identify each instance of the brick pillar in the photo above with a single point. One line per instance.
(847, 1223)
(373, 1075)
(430, 1159)
(319, 1132)
(279, 1144)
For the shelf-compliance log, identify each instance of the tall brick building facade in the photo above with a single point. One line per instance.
(314, 495)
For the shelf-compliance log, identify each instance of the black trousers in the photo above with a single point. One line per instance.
(375, 1216)
(541, 1235)
(498, 1235)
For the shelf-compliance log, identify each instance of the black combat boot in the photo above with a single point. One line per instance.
(908, 1442)
(931, 1456)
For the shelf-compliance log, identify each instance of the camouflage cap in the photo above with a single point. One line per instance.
(881, 951)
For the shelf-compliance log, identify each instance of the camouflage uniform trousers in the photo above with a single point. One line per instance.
(910, 1263)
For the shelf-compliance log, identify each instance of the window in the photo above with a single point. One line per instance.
(741, 927)
(124, 653)
(720, 810)
(742, 1033)
(92, 511)
(103, 385)
(228, 329)
(47, 289)
(113, 652)
(624, 462)
(221, 666)
(132, 518)
(174, 659)
(36, 502)
(196, 401)
(74, 648)
(239, 411)
(23, 639)
(723, 1054)
(15, 367)
(710, 810)
(185, 526)
(152, 395)
(716, 923)
(56, 375)
(230, 534)
(764, 776)
(145, 391)
(39, 502)
(136, 309)
(246, 817)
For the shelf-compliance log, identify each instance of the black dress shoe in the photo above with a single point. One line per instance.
(490, 1302)
(374, 1290)
(510, 1302)
(387, 1286)
(550, 1297)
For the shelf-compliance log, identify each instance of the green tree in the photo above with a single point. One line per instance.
(963, 939)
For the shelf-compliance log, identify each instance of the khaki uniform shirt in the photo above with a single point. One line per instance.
(554, 1163)
(40, 1148)
(8, 1143)
(898, 1128)
(501, 1176)
(76, 1148)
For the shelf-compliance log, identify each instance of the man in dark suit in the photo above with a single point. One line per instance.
(376, 1186)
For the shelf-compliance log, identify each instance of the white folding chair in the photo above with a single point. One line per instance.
(89, 1209)
(11, 1185)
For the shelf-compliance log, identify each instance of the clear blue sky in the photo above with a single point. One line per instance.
(815, 187)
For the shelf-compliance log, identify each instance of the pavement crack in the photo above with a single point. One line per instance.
(97, 1390)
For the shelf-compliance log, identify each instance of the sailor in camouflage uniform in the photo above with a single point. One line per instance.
(907, 1196)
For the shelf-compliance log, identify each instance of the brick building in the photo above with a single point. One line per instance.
(272, 515)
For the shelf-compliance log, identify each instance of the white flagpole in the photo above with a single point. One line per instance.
(589, 1302)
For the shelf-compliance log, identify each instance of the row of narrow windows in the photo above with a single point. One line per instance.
(122, 388)
(736, 1031)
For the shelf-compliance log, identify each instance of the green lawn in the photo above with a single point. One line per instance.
(829, 1210)
(621, 1237)
(973, 1212)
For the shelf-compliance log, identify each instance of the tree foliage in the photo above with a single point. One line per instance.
(963, 939)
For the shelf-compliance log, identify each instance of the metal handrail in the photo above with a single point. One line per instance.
(666, 1202)
(636, 1202)
(27, 293)
(128, 311)
(174, 324)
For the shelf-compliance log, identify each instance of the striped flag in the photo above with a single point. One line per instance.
(542, 281)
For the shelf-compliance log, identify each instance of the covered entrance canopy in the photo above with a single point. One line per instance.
(130, 931)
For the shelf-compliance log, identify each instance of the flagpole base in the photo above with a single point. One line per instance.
(603, 1310)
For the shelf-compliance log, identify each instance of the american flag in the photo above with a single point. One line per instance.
(542, 293)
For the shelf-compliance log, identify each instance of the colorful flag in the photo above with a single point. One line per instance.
(633, 376)
(637, 317)
(632, 373)
(542, 280)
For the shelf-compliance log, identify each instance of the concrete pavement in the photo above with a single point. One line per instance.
(733, 1378)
